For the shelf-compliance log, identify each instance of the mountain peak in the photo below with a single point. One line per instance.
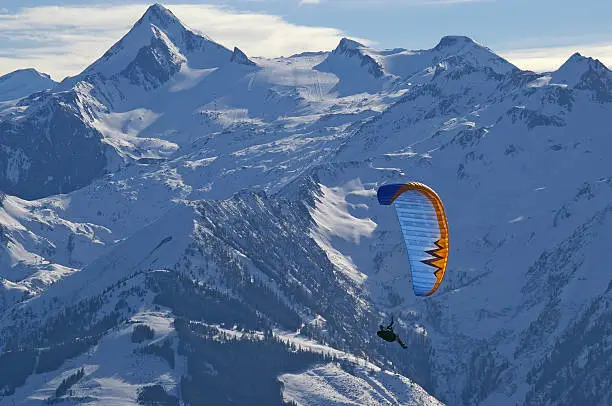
(158, 8)
(454, 40)
(583, 62)
(27, 72)
(157, 19)
(355, 65)
(577, 67)
(472, 52)
(160, 16)
(348, 44)
(158, 24)
(240, 57)
(23, 82)
(576, 56)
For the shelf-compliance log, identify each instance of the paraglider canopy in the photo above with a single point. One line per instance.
(424, 226)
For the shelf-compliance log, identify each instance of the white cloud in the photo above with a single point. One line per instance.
(551, 58)
(444, 2)
(63, 40)
(394, 3)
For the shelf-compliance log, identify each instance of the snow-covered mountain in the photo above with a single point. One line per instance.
(154, 49)
(23, 82)
(205, 227)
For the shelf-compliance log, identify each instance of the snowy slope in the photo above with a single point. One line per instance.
(229, 203)
(330, 385)
(114, 370)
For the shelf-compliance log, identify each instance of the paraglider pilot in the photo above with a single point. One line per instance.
(387, 334)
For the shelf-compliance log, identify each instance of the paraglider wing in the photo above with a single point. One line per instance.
(425, 229)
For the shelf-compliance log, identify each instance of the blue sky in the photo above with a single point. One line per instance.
(61, 38)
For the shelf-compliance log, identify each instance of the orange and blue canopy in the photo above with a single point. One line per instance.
(424, 226)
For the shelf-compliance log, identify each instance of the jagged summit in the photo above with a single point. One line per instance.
(241, 58)
(579, 62)
(354, 64)
(159, 12)
(159, 15)
(157, 24)
(346, 43)
(576, 57)
(162, 18)
(144, 33)
(578, 70)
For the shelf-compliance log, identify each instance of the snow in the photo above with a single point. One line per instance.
(517, 219)
(331, 385)
(17, 163)
(20, 262)
(540, 82)
(113, 370)
(334, 220)
(158, 22)
(188, 78)
(22, 83)
(571, 72)
(200, 162)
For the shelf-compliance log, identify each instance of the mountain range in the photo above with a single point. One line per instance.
(187, 224)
